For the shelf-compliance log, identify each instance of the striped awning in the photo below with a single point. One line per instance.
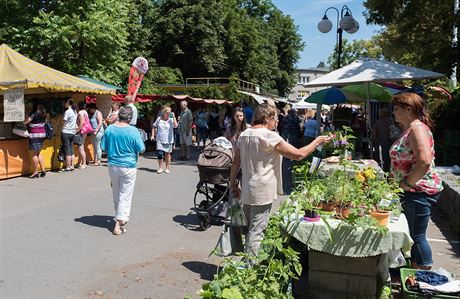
(18, 71)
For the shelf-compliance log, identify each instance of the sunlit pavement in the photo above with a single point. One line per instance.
(55, 239)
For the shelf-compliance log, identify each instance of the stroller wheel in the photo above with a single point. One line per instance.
(205, 221)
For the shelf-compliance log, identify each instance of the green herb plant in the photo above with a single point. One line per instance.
(267, 275)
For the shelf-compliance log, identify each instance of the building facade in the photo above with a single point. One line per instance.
(300, 91)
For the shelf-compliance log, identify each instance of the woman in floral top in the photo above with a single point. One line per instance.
(412, 164)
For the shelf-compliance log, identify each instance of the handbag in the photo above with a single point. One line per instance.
(86, 128)
(236, 214)
(60, 155)
(49, 130)
(21, 130)
(229, 242)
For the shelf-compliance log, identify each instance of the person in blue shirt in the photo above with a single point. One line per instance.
(247, 112)
(310, 128)
(122, 143)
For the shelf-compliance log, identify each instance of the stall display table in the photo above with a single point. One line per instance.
(326, 167)
(347, 261)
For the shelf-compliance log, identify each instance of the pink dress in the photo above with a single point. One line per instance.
(403, 160)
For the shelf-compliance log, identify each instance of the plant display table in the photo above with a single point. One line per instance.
(347, 261)
(330, 167)
(352, 241)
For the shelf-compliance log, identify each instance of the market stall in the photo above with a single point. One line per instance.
(23, 81)
(339, 216)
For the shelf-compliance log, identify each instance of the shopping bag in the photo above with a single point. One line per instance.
(86, 128)
(60, 155)
(229, 242)
(21, 130)
(235, 213)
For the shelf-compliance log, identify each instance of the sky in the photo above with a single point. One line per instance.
(308, 13)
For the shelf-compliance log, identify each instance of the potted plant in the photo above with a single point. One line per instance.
(381, 195)
(341, 142)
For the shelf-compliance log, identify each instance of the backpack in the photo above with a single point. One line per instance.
(49, 130)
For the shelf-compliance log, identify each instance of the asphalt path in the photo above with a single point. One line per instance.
(55, 238)
(56, 241)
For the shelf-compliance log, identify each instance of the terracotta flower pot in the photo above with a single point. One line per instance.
(381, 216)
(343, 211)
(328, 207)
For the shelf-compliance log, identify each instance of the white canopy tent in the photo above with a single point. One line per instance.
(367, 70)
(259, 98)
(371, 70)
(305, 105)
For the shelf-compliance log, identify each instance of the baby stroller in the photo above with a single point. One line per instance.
(212, 191)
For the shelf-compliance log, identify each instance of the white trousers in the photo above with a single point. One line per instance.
(123, 181)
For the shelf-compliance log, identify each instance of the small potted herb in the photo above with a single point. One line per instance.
(381, 194)
(341, 142)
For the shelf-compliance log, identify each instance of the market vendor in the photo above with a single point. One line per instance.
(259, 151)
(412, 164)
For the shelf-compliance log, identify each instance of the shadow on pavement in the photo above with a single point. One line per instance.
(189, 221)
(205, 270)
(97, 221)
(441, 223)
(153, 170)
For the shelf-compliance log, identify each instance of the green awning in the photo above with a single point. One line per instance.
(99, 82)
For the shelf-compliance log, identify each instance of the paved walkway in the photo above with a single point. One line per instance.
(55, 239)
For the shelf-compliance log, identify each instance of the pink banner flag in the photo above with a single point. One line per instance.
(138, 69)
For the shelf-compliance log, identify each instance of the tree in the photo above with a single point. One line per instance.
(417, 32)
(355, 50)
(250, 38)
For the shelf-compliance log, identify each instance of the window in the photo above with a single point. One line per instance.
(302, 94)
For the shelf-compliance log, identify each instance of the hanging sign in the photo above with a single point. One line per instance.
(136, 74)
(13, 105)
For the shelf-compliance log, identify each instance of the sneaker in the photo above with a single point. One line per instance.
(167, 171)
(66, 170)
(159, 171)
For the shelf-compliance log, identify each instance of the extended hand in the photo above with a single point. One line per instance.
(323, 139)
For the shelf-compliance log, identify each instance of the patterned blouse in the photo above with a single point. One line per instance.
(403, 160)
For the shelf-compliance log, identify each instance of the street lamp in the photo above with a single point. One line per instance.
(346, 22)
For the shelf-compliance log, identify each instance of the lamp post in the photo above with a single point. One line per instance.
(345, 21)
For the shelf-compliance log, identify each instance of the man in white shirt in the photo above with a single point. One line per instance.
(129, 101)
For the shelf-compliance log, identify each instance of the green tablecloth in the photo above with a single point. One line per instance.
(349, 240)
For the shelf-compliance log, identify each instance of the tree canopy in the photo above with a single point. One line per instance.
(354, 50)
(417, 32)
(250, 39)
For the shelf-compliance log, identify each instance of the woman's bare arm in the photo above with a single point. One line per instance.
(419, 142)
(293, 153)
(234, 172)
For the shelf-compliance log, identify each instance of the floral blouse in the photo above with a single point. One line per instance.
(403, 160)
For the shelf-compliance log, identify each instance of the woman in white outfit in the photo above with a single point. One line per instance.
(259, 150)
(163, 132)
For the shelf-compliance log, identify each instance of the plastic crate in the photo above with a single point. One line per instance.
(405, 272)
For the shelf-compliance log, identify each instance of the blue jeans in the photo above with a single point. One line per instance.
(417, 208)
